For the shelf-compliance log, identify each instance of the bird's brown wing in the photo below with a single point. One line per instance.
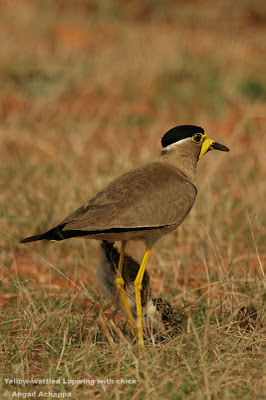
(152, 196)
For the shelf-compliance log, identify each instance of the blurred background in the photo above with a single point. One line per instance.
(87, 89)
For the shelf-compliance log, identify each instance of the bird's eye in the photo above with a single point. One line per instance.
(197, 138)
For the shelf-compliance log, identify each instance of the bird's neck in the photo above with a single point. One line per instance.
(183, 161)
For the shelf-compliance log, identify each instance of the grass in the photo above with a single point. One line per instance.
(86, 93)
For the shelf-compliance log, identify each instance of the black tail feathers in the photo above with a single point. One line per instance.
(53, 234)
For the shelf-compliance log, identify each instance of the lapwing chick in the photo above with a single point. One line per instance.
(157, 314)
(143, 204)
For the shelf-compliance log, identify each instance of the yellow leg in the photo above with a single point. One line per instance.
(120, 283)
(138, 287)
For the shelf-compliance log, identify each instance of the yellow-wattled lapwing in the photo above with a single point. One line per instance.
(143, 204)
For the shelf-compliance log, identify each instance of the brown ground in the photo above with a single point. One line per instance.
(87, 90)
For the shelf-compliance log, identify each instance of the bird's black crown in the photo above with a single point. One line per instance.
(179, 133)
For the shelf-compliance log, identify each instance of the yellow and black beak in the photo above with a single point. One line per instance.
(209, 144)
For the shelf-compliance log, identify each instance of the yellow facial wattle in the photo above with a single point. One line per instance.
(209, 144)
(206, 145)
